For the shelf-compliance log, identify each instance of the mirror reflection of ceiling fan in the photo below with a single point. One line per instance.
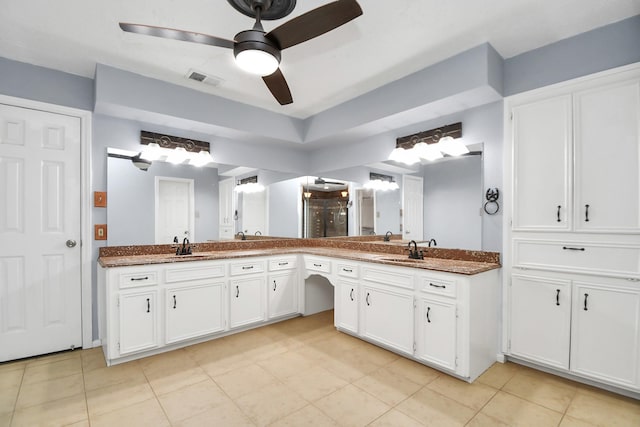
(257, 51)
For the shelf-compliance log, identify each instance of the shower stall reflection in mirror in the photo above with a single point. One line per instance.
(325, 213)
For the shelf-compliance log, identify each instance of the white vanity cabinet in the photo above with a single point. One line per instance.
(282, 287)
(138, 320)
(387, 307)
(247, 292)
(347, 297)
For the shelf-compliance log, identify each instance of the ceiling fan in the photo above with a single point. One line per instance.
(257, 51)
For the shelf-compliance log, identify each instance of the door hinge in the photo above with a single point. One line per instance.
(511, 116)
(457, 313)
(414, 347)
(509, 344)
(118, 346)
(456, 361)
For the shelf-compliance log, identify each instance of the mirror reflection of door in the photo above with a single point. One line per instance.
(254, 213)
(412, 207)
(174, 209)
(366, 210)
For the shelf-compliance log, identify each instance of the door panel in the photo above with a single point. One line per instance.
(174, 209)
(40, 292)
(412, 208)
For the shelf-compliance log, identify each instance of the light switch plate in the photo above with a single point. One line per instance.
(100, 199)
(100, 232)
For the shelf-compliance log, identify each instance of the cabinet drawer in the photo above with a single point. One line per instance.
(315, 264)
(435, 286)
(596, 258)
(246, 268)
(138, 277)
(181, 274)
(388, 277)
(348, 270)
(284, 263)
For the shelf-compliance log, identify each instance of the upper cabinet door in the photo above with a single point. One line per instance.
(607, 149)
(542, 165)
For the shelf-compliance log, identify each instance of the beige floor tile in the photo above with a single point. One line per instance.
(395, 418)
(515, 411)
(604, 409)
(388, 386)
(47, 391)
(349, 366)
(10, 382)
(12, 366)
(105, 377)
(541, 388)
(474, 395)
(218, 358)
(414, 371)
(192, 400)
(498, 374)
(307, 416)
(244, 380)
(60, 412)
(34, 373)
(568, 421)
(56, 357)
(147, 413)
(286, 365)
(175, 378)
(226, 415)
(341, 406)
(482, 420)
(167, 361)
(93, 359)
(432, 408)
(5, 419)
(270, 404)
(117, 396)
(83, 423)
(315, 383)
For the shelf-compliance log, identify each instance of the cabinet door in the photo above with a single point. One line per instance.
(347, 305)
(138, 321)
(247, 301)
(387, 317)
(225, 200)
(604, 342)
(607, 151)
(283, 298)
(193, 311)
(437, 335)
(540, 320)
(541, 163)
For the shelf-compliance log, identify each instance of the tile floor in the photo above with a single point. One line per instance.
(295, 373)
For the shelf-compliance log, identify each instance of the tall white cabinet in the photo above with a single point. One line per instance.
(572, 234)
(226, 206)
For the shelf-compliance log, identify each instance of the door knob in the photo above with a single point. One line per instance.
(71, 243)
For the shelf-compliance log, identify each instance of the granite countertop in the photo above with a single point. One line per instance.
(477, 261)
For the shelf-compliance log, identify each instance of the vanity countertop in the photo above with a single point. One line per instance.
(446, 260)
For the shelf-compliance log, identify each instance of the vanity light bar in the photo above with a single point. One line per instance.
(432, 136)
(172, 142)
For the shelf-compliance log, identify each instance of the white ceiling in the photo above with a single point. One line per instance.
(391, 40)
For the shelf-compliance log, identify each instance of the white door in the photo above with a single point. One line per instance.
(347, 305)
(246, 301)
(254, 213)
(40, 260)
(541, 163)
(174, 209)
(604, 342)
(607, 153)
(438, 337)
(540, 319)
(412, 207)
(193, 311)
(283, 298)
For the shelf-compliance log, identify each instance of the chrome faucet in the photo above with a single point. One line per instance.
(258, 233)
(240, 233)
(434, 242)
(415, 254)
(185, 249)
(387, 236)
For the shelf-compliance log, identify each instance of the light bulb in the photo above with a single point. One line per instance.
(178, 156)
(452, 147)
(426, 151)
(257, 62)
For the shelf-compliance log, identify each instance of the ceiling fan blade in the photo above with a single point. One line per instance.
(172, 33)
(278, 87)
(315, 23)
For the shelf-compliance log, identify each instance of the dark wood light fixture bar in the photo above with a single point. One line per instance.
(430, 136)
(168, 141)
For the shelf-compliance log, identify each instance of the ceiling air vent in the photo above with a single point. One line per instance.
(203, 78)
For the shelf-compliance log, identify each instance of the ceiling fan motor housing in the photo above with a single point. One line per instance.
(255, 40)
(269, 9)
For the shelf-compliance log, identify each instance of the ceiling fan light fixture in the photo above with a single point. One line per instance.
(257, 62)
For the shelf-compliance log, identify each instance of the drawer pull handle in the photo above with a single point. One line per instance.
(569, 248)
(367, 299)
(274, 286)
(428, 310)
(283, 263)
(317, 265)
(586, 213)
(585, 302)
(174, 302)
(351, 294)
(559, 207)
(557, 296)
(133, 279)
(247, 267)
(437, 286)
(347, 270)
(237, 291)
(148, 306)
